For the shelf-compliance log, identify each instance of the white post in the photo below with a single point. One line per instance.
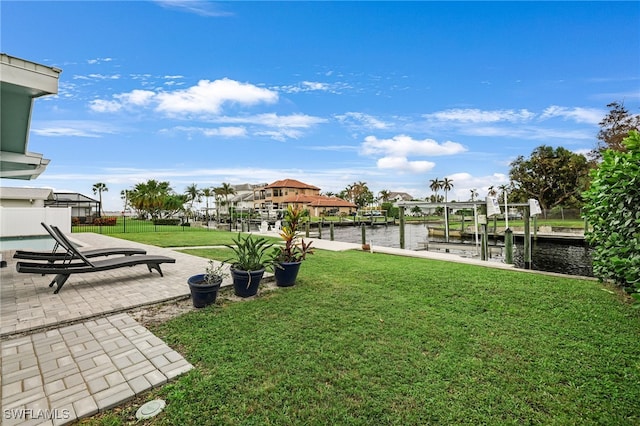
(475, 217)
(506, 211)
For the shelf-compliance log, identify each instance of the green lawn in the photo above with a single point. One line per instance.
(192, 238)
(371, 339)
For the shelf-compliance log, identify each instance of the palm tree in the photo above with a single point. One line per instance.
(491, 191)
(474, 194)
(435, 185)
(226, 190)
(503, 189)
(193, 194)
(99, 188)
(384, 195)
(218, 193)
(207, 193)
(149, 197)
(447, 185)
(124, 196)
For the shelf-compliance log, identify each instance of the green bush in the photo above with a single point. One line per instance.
(612, 209)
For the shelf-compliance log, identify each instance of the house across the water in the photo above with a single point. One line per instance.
(280, 194)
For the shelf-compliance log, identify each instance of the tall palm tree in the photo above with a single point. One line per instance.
(207, 193)
(218, 194)
(504, 191)
(227, 190)
(99, 188)
(435, 185)
(193, 194)
(491, 191)
(384, 195)
(124, 196)
(474, 194)
(447, 185)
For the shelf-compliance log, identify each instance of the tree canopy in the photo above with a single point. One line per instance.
(156, 199)
(358, 193)
(615, 127)
(553, 176)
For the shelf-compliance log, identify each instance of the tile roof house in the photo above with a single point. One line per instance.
(282, 193)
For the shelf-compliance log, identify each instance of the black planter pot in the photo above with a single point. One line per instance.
(246, 283)
(286, 273)
(203, 294)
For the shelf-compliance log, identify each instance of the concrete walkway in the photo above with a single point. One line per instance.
(73, 354)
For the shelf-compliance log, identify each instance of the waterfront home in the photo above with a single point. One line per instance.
(280, 194)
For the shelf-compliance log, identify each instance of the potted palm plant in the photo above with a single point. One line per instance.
(287, 258)
(250, 260)
(204, 287)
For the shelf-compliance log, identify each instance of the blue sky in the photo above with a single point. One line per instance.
(393, 94)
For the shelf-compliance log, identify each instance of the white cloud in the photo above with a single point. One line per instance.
(394, 152)
(209, 96)
(402, 145)
(198, 7)
(232, 131)
(403, 164)
(532, 133)
(270, 125)
(72, 128)
(98, 60)
(464, 182)
(473, 115)
(136, 97)
(286, 121)
(577, 114)
(100, 105)
(313, 86)
(225, 131)
(362, 120)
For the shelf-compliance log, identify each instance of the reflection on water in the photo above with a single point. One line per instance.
(565, 257)
(574, 259)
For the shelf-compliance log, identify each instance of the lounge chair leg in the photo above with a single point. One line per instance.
(155, 266)
(60, 280)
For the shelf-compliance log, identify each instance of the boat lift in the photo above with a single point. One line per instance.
(492, 207)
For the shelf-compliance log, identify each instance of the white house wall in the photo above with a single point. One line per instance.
(25, 221)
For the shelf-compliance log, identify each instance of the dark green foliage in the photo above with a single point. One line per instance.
(555, 177)
(391, 210)
(613, 209)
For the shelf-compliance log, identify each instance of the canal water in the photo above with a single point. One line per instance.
(565, 257)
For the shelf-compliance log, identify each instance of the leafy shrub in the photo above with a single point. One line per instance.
(105, 221)
(612, 209)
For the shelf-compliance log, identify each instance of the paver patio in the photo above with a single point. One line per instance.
(69, 355)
